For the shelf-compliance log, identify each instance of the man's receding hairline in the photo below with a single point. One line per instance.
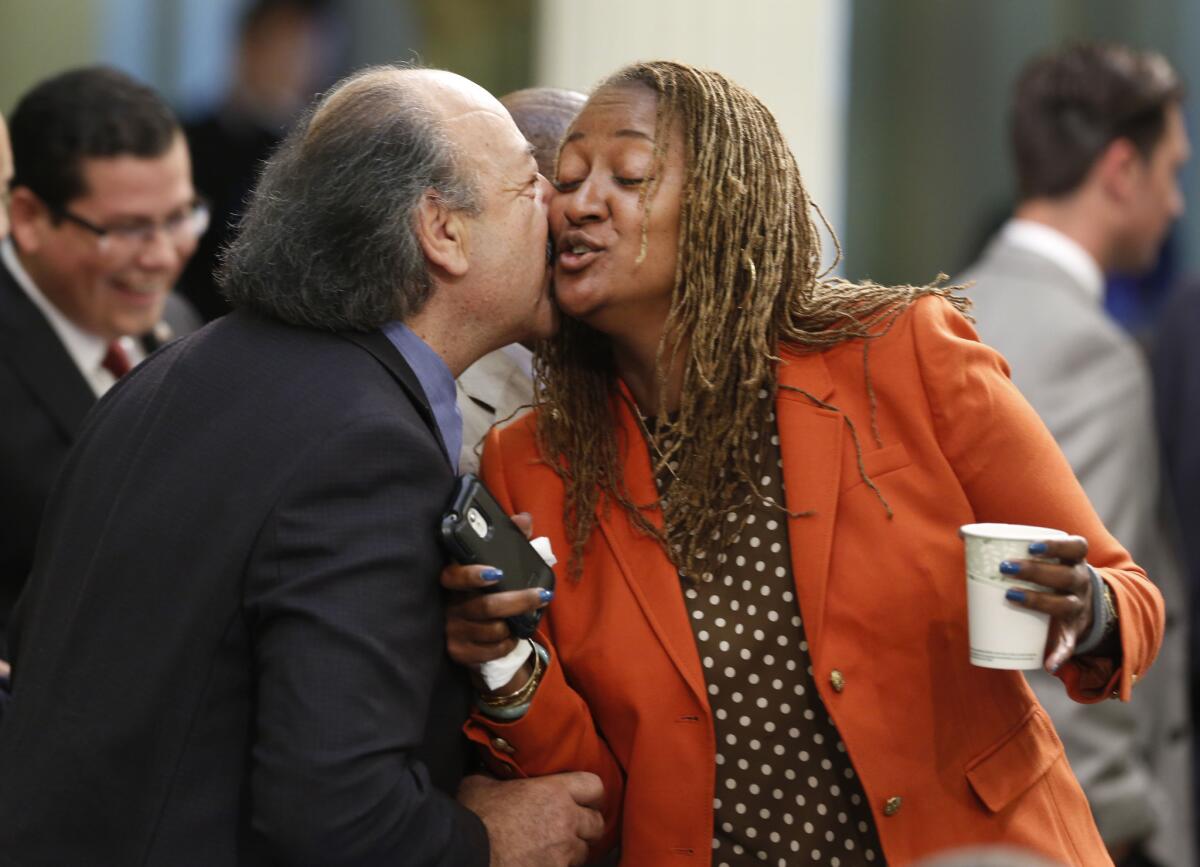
(377, 79)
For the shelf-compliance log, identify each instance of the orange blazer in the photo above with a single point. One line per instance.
(949, 754)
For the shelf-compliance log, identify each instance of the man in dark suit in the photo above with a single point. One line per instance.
(231, 649)
(103, 219)
(1176, 367)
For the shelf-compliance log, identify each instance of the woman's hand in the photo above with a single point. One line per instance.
(1070, 602)
(476, 631)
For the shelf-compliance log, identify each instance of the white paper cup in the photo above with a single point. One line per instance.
(1003, 634)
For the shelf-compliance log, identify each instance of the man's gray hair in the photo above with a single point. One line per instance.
(329, 236)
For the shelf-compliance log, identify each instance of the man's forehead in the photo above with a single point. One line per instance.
(452, 95)
(128, 182)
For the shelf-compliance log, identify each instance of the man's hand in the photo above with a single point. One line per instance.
(5, 670)
(539, 822)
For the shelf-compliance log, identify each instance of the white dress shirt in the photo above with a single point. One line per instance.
(1059, 249)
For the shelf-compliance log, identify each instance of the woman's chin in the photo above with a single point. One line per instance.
(576, 298)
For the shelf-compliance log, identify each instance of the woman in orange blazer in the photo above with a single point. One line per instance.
(715, 402)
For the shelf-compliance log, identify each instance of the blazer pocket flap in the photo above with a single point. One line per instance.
(876, 463)
(1013, 764)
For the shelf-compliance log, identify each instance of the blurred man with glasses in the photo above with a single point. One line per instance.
(103, 219)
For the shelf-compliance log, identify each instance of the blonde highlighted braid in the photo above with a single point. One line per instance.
(747, 278)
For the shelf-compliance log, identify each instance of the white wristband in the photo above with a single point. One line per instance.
(500, 671)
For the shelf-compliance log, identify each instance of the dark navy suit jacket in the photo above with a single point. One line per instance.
(43, 401)
(230, 650)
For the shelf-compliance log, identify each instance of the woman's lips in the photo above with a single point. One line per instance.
(577, 259)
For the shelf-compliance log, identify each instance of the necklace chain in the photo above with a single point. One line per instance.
(652, 441)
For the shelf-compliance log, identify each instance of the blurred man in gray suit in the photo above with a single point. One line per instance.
(496, 387)
(1098, 139)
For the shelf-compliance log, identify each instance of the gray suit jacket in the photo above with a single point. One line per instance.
(1088, 381)
(491, 390)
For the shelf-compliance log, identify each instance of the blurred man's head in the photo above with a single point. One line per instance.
(103, 212)
(542, 114)
(281, 59)
(1104, 122)
(6, 170)
(399, 186)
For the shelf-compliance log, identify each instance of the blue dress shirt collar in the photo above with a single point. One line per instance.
(436, 381)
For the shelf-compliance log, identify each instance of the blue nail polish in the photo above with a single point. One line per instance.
(1054, 669)
(491, 574)
(546, 595)
(1008, 567)
(1037, 547)
(1014, 595)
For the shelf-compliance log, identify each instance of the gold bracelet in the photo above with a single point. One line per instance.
(524, 693)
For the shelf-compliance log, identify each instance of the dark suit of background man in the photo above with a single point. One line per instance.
(103, 219)
(231, 650)
(284, 54)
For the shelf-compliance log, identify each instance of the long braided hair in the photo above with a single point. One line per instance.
(747, 277)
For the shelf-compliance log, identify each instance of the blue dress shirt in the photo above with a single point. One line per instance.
(436, 381)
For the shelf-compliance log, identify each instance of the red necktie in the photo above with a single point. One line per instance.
(115, 360)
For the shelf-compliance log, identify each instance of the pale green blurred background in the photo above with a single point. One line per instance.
(896, 109)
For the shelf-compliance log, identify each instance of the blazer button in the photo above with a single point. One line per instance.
(503, 746)
(892, 805)
(837, 681)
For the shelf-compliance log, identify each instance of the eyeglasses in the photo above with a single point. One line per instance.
(181, 228)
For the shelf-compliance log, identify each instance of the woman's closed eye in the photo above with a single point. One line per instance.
(629, 182)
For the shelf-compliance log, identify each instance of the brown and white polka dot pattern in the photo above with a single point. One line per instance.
(786, 791)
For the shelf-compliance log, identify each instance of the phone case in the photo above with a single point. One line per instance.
(475, 530)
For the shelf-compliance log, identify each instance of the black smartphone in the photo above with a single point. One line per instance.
(476, 530)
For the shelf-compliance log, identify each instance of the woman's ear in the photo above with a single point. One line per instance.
(442, 234)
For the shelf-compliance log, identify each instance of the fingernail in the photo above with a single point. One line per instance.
(546, 595)
(1008, 567)
(1037, 547)
(1014, 595)
(491, 574)
(1054, 668)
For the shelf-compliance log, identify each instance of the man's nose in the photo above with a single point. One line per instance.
(162, 252)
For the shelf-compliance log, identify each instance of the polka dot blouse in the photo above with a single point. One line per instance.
(786, 790)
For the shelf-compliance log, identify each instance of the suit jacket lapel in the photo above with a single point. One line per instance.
(376, 343)
(41, 360)
(651, 576)
(810, 442)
